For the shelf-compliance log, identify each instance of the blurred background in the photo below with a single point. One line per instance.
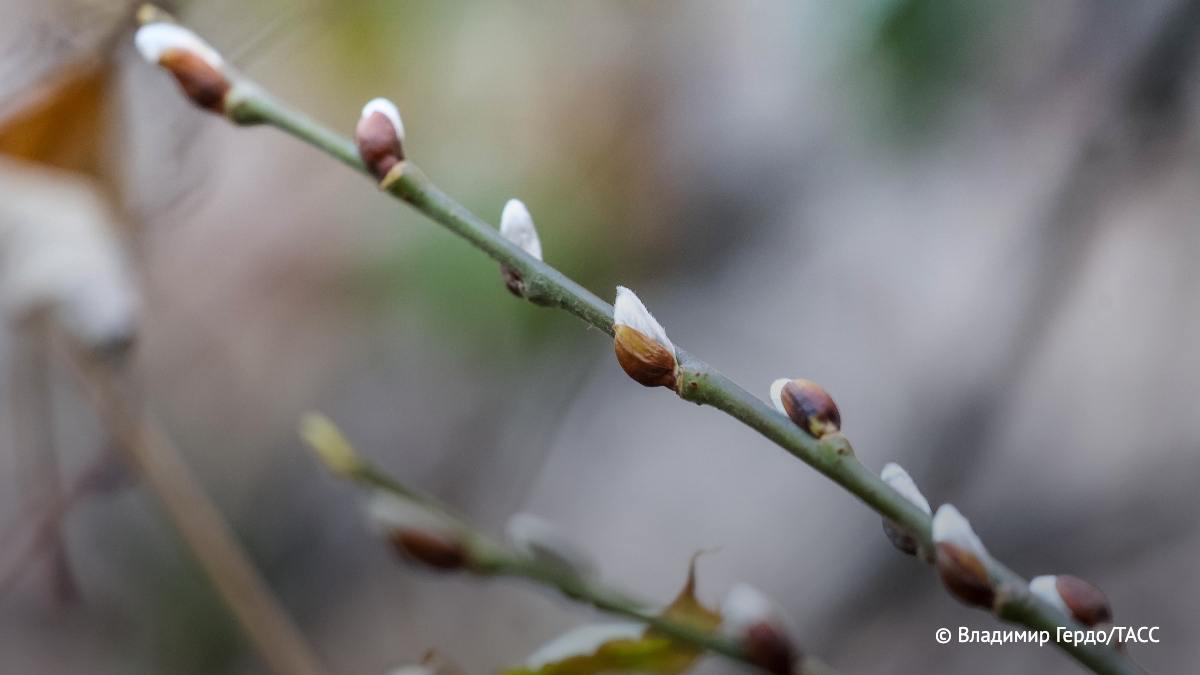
(974, 223)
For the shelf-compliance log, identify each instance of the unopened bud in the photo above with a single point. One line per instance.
(895, 476)
(327, 441)
(433, 550)
(197, 67)
(417, 532)
(516, 225)
(757, 624)
(808, 405)
(1073, 596)
(641, 343)
(542, 541)
(960, 558)
(380, 137)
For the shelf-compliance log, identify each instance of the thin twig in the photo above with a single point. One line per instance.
(245, 103)
(32, 404)
(274, 635)
(486, 556)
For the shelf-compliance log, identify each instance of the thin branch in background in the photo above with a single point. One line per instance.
(430, 533)
(36, 532)
(32, 411)
(150, 451)
(212, 85)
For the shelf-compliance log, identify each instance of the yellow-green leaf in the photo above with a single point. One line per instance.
(652, 652)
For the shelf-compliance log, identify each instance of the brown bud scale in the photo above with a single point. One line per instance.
(513, 281)
(378, 145)
(900, 538)
(644, 359)
(433, 550)
(769, 649)
(964, 576)
(810, 407)
(204, 84)
(1088, 604)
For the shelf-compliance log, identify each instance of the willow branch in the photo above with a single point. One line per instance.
(245, 103)
(471, 549)
(150, 451)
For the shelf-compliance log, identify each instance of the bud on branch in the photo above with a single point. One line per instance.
(418, 532)
(895, 476)
(380, 137)
(757, 623)
(642, 346)
(1074, 597)
(541, 540)
(516, 225)
(808, 405)
(961, 558)
(197, 67)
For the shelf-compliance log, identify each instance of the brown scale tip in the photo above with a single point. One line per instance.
(769, 649)
(644, 359)
(513, 281)
(436, 551)
(379, 145)
(964, 576)
(204, 84)
(900, 538)
(808, 405)
(1088, 604)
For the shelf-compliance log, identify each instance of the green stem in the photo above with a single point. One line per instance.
(489, 558)
(698, 382)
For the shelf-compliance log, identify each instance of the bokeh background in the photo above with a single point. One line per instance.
(975, 223)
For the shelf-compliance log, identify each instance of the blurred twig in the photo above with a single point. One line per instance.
(196, 518)
(486, 556)
(33, 429)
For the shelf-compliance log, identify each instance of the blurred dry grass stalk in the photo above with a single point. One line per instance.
(66, 283)
(643, 349)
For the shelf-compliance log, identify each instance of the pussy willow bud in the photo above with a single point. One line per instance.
(960, 558)
(757, 624)
(331, 447)
(516, 225)
(542, 541)
(380, 137)
(642, 346)
(1073, 596)
(197, 67)
(808, 405)
(901, 482)
(417, 532)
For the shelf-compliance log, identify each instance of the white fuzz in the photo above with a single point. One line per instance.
(895, 475)
(155, 39)
(777, 394)
(628, 310)
(950, 527)
(389, 110)
(538, 538)
(59, 250)
(386, 512)
(1046, 588)
(517, 226)
(744, 606)
(582, 641)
